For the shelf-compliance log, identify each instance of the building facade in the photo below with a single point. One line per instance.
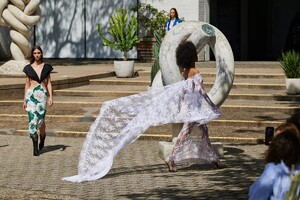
(256, 30)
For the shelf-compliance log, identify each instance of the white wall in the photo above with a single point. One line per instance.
(186, 8)
(189, 10)
(66, 31)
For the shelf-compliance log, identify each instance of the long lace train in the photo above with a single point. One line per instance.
(122, 121)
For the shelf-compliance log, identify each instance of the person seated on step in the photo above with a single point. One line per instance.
(282, 158)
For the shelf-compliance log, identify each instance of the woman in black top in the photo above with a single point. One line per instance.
(37, 94)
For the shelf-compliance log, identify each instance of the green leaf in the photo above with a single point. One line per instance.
(290, 64)
(123, 30)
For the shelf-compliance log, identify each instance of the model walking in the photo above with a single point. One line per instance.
(121, 121)
(37, 94)
(189, 149)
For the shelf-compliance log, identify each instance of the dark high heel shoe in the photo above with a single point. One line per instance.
(171, 165)
(35, 146)
(42, 142)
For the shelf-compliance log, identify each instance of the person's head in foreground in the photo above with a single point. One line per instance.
(284, 147)
(287, 127)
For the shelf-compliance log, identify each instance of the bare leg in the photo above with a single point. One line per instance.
(42, 135)
(183, 135)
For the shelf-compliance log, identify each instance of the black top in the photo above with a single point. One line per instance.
(29, 71)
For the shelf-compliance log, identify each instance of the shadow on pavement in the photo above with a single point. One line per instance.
(47, 149)
(231, 181)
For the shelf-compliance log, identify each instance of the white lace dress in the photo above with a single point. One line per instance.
(122, 121)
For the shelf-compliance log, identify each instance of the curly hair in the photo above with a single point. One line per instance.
(186, 54)
(285, 147)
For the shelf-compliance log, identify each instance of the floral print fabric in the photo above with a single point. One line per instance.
(36, 105)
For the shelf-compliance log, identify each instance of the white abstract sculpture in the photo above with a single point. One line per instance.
(20, 15)
(201, 34)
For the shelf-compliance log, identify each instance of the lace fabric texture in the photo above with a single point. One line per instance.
(193, 146)
(122, 121)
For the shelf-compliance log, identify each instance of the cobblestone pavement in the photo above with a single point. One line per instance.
(137, 173)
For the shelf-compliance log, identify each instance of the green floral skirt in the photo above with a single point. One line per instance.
(36, 105)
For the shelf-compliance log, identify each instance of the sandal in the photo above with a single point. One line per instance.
(171, 166)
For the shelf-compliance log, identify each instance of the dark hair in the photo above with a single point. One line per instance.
(32, 50)
(294, 119)
(284, 147)
(176, 13)
(186, 54)
(289, 127)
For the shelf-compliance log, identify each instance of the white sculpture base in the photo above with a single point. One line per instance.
(165, 148)
(13, 67)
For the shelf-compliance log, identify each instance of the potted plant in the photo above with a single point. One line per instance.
(290, 63)
(125, 37)
(150, 20)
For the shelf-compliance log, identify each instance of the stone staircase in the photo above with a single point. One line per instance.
(257, 100)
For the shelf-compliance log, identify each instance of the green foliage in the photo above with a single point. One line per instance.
(156, 47)
(124, 32)
(151, 20)
(290, 63)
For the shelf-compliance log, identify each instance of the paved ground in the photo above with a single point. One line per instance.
(137, 173)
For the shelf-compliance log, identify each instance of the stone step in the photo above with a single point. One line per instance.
(236, 84)
(212, 73)
(63, 102)
(259, 121)
(238, 94)
(162, 133)
(229, 116)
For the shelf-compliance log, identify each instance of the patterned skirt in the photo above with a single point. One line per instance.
(36, 105)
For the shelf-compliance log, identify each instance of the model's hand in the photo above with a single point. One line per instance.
(24, 105)
(50, 102)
